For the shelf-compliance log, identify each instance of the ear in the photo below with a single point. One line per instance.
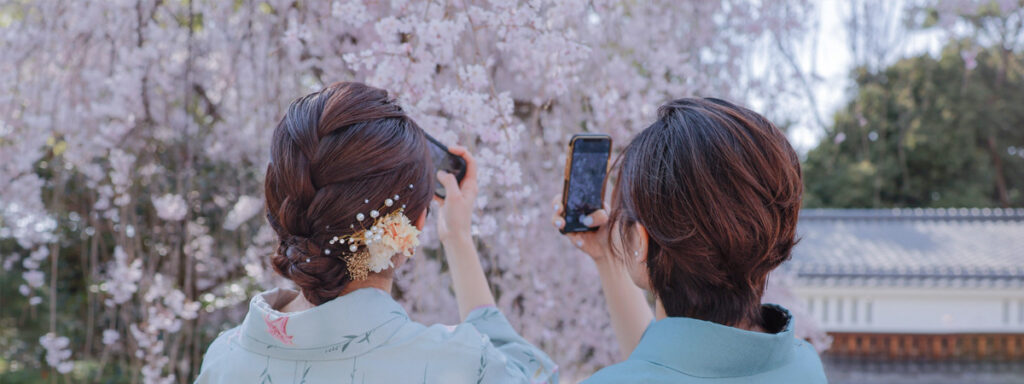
(637, 264)
(641, 240)
(421, 221)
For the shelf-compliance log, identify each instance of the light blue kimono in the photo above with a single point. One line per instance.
(684, 350)
(366, 337)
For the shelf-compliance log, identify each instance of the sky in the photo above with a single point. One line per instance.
(832, 61)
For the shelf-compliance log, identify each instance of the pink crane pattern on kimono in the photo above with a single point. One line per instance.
(278, 329)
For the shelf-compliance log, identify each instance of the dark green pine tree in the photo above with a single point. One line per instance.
(927, 132)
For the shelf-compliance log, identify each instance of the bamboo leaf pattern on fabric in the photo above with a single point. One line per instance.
(265, 375)
(352, 376)
(305, 372)
(483, 365)
(265, 378)
(345, 345)
(365, 337)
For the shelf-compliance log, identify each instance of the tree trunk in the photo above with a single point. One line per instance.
(997, 166)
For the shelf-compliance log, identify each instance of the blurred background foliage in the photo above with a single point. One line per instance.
(926, 131)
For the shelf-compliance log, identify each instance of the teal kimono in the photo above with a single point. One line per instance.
(684, 350)
(367, 337)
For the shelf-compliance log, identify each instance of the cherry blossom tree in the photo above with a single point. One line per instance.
(134, 136)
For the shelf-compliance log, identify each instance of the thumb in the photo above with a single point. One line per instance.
(597, 219)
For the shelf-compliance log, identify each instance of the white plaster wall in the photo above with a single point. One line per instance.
(915, 310)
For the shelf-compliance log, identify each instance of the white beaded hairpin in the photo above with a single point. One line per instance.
(360, 217)
(400, 233)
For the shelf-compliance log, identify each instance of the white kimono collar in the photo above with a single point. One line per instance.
(345, 327)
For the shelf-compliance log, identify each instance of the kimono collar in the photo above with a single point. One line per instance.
(711, 350)
(347, 326)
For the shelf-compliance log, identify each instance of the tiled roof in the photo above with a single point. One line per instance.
(910, 247)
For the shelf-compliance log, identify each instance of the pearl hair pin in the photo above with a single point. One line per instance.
(371, 245)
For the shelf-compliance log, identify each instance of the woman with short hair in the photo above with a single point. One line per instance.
(704, 207)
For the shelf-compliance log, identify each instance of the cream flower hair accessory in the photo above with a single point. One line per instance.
(371, 249)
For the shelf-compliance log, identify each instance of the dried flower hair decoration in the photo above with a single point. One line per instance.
(370, 249)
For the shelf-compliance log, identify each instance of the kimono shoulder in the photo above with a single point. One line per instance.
(686, 350)
(805, 368)
(330, 344)
(487, 340)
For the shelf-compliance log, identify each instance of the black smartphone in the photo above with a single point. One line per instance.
(586, 171)
(445, 161)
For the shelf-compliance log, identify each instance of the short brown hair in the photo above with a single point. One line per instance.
(338, 152)
(718, 188)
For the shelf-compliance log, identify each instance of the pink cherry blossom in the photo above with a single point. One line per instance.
(151, 121)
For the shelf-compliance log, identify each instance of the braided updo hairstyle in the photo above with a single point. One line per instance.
(336, 153)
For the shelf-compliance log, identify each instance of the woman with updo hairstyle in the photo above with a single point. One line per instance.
(347, 191)
(704, 206)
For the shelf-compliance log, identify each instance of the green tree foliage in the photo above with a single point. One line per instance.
(927, 132)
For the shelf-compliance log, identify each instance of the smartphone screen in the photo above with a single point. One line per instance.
(584, 189)
(445, 161)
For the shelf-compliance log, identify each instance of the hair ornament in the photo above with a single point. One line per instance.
(371, 249)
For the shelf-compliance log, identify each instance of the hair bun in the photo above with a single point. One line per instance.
(320, 279)
(297, 248)
(291, 252)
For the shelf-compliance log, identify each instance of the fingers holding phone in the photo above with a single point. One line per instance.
(445, 160)
(456, 195)
(593, 243)
(580, 211)
(467, 184)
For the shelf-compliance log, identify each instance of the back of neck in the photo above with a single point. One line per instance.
(378, 281)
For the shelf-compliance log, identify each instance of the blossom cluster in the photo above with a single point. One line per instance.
(57, 352)
(134, 136)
